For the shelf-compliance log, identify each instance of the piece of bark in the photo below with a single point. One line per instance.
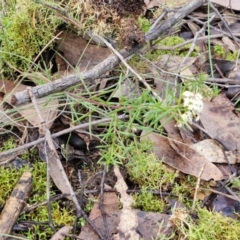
(106, 65)
(15, 204)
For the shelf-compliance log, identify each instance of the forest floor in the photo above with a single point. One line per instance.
(119, 120)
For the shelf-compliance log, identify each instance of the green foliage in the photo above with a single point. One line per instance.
(209, 225)
(146, 201)
(221, 52)
(144, 24)
(198, 86)
(185, 189)
(114, 151)
(171, 41)
(235, 183)
(10, 176)
(146, 169)
(26, 28)
(8, 145)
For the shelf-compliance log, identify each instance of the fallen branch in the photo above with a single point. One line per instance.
(15, 204)
(56, 170)
(106, 65)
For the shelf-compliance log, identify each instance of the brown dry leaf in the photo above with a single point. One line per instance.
(128, 89)
(213, 152)
(78, 52)
(188, 162)
(232, 4)
(7, 88)
(11, 87)
(160, 81)
(151, 4)
(60, 234)
(172, 63)
(110, 205)
(128, 218)
(153, 225)
(184, 150)
(229, 43)
(48, 109)
(221, 123)
(227, 206)
(150, 225)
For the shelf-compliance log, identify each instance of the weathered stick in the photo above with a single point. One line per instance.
(56, 170)
(15, 204)
(106, 65)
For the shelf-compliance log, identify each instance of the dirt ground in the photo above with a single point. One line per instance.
(123, 7)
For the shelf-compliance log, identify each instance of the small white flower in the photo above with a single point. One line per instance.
(193, 104)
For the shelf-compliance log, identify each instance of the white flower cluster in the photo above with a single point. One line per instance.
(193, 104)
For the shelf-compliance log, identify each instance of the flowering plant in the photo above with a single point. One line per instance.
(193, 105)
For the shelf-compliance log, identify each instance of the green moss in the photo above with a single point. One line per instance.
(221, 52)
(61, 215)
(144, 24)
(171, 41)
(8, 144)
(147, 170)
(146, 201)
(209, 225)
(185, 189)
(232, 56)
(26, 28)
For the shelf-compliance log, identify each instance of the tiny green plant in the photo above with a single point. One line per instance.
(208, 225)
(146, 201)
(26, 28)
(144, 24)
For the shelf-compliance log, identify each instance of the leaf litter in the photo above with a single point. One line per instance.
(214, 139)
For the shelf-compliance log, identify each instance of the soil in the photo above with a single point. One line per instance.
(123, 7)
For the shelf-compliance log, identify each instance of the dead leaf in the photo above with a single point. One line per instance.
(221, 123)
(195, 28)
(153, 225)
(60, 234)
(10, 87)
(186, 163)
(213, 152)
(227, 206)
(150, 225)
(48, 108)
(229, 43)
(110, 206)
(128, 89)
(232, 4)
(78, 52)
(151, 4)
(128, 218)
(221, 67)
(172, 63)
